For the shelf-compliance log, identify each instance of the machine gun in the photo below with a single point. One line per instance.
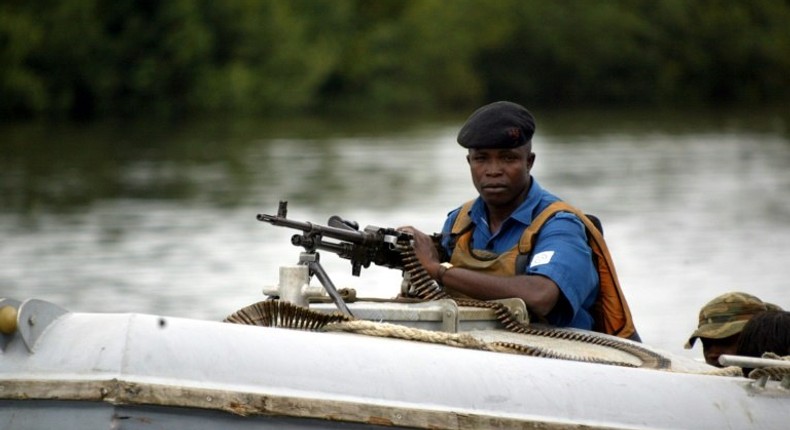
(380, 246)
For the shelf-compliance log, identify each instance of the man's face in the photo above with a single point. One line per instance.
(713, 348)
(501, 176)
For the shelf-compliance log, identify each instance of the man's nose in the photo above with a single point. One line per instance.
(712, 358)
(494, 167)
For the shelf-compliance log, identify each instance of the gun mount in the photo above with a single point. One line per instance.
(380, 246)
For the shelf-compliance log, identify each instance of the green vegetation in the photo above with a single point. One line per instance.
(121, 58)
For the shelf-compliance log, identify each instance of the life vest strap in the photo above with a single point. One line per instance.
(610, 311)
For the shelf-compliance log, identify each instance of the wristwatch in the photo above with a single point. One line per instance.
(443, 268)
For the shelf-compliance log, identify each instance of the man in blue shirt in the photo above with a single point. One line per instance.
(557, 278)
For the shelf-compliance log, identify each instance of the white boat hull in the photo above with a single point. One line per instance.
(99, 371)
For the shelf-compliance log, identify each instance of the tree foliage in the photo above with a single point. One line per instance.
(107, 58)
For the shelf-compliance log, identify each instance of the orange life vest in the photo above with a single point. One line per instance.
(610, 312)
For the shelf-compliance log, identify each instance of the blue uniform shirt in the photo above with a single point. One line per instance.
(560, 253)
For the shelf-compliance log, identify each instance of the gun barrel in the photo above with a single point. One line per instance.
(353, 236)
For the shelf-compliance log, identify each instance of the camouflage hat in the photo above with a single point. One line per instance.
(725, 316)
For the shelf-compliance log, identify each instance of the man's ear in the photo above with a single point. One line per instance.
(530, 160)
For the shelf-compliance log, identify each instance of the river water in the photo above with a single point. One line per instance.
(153, 218)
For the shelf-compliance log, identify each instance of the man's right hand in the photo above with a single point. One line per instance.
(425, 250)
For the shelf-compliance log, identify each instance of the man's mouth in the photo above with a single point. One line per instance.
(494, 187)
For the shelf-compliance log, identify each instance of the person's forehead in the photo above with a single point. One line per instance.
(493, 151)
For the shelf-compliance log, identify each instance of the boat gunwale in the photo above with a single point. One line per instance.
(127, 392)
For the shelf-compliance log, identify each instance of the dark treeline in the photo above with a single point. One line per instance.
(119, 58)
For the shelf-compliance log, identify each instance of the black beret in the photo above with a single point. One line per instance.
(497, 125)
